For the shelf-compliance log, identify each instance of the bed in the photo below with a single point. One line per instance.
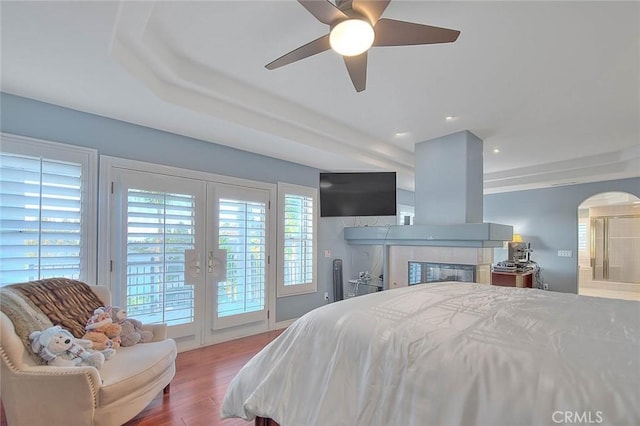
(449, 354)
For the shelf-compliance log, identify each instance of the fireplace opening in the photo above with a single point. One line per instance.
(430, 272)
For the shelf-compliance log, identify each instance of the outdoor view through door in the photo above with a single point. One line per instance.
(242, 234)
(160, 227)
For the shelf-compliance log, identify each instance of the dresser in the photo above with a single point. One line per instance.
(512, 279)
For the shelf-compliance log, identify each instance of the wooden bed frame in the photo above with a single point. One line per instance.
(262, 421)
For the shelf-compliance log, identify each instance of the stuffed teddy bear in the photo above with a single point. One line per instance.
(102, 331)
(58, 347)
(132, 332)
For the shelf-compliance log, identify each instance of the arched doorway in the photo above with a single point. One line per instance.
(609, 246)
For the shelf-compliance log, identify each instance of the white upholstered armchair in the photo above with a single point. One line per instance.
(36, 394)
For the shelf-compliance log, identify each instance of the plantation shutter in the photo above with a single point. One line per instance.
(298, 239)
(242, 233)
(41, 218)
(160, 227)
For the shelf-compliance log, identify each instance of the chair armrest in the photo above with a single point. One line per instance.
(159, 331)
(83, 372)
(71, 391)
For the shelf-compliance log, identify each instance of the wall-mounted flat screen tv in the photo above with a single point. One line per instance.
(358, 194)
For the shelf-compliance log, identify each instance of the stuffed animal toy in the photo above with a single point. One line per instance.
(102, 331)
(58, 347)
(132, 332)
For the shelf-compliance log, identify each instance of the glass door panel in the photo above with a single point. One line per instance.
(598, 248)
(160, 225)
(624, 249)
(241, 226)
(616, 248)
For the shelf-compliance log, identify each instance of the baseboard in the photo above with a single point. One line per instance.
(284, 324)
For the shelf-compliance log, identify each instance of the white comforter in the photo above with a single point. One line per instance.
(449, 354)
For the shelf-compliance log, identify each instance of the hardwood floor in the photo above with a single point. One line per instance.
(197, 390)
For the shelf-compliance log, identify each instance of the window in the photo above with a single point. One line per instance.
(297, 230)
(47, 212)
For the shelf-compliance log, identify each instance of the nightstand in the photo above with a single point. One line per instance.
(512, 279)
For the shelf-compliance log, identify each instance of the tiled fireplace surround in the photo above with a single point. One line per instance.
(400, 256)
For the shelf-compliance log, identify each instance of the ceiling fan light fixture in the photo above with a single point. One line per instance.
(351, 37)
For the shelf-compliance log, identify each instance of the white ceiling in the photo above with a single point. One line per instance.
(554, 85)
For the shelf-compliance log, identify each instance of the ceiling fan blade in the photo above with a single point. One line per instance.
(372, 9)
(316, 46)
(357, 67)
(323, 10)
(390, 32)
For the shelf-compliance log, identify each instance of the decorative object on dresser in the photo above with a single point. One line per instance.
(518, 270)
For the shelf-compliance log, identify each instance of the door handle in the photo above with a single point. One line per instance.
(191, 266)
(217, 263)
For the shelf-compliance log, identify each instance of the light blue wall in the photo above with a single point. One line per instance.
(457, 160)
(405, 197)
(548, 219)
(27, 117)
(40, 120)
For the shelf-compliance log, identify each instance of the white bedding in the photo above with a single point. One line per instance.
(449, 354)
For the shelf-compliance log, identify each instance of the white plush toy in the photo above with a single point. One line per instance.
(59, 347)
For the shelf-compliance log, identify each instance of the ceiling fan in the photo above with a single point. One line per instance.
(355, 26)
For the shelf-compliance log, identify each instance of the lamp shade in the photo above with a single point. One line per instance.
(351, 37)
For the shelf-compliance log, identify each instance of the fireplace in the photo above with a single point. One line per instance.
(410, 265)
(430, 272)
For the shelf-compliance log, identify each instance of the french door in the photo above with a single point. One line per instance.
(190, 253)
(238, 224)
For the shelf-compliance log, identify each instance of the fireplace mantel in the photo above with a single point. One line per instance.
(462, 235)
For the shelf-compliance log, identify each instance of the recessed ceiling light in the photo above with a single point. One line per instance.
(449, 118)
(496, 150)
(401, 134)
